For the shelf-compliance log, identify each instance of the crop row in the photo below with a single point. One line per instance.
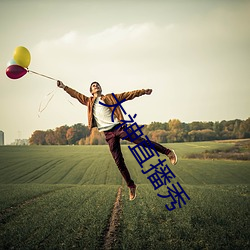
(65, 218)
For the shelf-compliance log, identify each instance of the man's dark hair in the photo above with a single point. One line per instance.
(92, 84)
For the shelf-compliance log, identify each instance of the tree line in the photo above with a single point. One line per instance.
(172, 131)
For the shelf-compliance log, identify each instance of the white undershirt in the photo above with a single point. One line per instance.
(102, 115)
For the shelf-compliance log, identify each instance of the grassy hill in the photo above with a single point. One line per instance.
(62, 197)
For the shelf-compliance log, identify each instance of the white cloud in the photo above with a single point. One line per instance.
(116, 47)
(116, 39)
(119, 35)
(69, 38)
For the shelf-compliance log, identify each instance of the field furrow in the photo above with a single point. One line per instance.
(66, 218)
(64, 197)
(112, 234)
(9, 212)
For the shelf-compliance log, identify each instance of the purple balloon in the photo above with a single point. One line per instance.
(15, 71)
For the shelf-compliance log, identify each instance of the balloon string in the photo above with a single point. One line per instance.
(31, 71)
(50, 96)
(71, 103)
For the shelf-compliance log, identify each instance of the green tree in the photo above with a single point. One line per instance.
(217, 129)
(202, 135)
(185, 130)
(196, 126)
(76, 133)
(244, 130)
(175, 133)
(157, 126)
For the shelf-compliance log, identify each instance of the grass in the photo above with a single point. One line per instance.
(61, 197)
(216, 217)
(57, 165)
(63, 218)
(239, 151)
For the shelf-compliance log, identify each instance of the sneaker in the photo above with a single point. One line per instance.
(172, 157)
(132, 193)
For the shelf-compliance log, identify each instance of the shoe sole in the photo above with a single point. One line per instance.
(175, 158)
(135, 194)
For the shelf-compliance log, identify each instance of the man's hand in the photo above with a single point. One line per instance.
(148, 91)
(60, 84)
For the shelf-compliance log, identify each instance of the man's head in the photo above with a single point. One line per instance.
(95, 87)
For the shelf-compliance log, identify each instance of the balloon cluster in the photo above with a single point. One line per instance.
(18, 65)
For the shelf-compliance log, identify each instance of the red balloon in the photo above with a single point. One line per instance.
(15, 71)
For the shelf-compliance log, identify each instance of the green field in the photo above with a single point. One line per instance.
(62, 197)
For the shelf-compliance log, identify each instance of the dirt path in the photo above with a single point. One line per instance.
(111, 235)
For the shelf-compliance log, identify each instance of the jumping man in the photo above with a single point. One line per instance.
(100, 116)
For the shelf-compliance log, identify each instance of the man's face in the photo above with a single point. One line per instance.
(95, 87)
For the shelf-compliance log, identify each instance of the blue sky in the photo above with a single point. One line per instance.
(195, 55)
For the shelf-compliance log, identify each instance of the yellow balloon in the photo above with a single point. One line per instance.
(22, 56)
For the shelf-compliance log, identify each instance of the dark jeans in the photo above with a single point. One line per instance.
(113, 137)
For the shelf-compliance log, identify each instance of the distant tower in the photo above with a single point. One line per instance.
(1, 138)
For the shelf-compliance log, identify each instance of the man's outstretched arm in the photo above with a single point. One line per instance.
(80, 97)
(132, 94)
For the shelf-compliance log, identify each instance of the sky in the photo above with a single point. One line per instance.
(195, 55)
